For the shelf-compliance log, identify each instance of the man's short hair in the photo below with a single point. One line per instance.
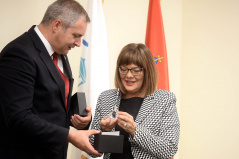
(68, 11)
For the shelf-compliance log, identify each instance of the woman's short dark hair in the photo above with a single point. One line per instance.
(140, 55)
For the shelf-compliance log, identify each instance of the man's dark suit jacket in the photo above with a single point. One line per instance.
(34, 120)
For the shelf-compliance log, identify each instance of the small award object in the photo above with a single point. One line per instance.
(114, 112)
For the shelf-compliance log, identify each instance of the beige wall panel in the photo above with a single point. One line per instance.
(210, 76)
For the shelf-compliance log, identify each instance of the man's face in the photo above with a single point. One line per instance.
(66, 39)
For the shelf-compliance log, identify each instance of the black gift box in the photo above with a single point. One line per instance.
(78, 102)
(109, 143)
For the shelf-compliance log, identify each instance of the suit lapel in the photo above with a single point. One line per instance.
(44, 55)
(67, 71)
(145, 109)
(66, 65)
(54, 72)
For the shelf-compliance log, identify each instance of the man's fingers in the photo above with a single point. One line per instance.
(73, 122)
(88, 109)
(77, 118)
(92, 151)
(80, 119)
(93, 132)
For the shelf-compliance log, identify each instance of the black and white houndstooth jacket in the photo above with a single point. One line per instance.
(157, 124)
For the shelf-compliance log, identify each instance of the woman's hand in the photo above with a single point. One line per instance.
(107, 124)
(126, 122)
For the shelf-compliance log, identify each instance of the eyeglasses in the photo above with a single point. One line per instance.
(134, 71)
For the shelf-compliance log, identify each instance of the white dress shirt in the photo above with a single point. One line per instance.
(49, 48)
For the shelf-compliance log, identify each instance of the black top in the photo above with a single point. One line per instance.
(131, 106)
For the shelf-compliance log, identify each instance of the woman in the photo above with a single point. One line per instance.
(147, 117)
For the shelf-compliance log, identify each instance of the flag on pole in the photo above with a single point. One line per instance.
(94, 74)
(155, 41)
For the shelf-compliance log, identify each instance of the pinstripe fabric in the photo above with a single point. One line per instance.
(157, 124)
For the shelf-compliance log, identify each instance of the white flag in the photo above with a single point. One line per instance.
(94, 76)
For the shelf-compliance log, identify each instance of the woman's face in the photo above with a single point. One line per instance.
(132, 83)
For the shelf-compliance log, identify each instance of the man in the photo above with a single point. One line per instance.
(36, 86)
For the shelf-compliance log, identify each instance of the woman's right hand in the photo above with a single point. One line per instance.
(107, 124)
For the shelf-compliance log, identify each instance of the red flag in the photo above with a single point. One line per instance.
(155, 41)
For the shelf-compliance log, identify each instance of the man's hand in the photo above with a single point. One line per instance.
(80, 122)
(80, 139)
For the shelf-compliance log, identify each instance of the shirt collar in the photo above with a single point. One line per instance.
(45, 42)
